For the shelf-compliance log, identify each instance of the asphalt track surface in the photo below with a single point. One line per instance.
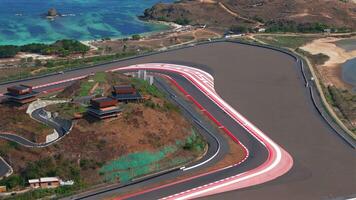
(267, 88)
(188, 110)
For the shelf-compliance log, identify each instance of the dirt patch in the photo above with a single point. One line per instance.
(106, 151)
(226, 13)
(234, 156)
(138, 129)
(15, 120)
(97, 84)
(156, 41)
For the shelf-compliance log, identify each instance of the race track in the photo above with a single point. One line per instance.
(267, 88)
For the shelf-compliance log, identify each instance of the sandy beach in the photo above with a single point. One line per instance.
(172, 27)
(331, 70)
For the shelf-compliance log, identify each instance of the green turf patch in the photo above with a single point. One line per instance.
(138, 164)
(86, 86)
(133, 165)
(67, 110)
(100, 77)
(145, 88)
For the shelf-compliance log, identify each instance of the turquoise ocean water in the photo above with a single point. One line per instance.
(23, 21)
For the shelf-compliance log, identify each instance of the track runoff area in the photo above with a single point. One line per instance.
(277, 163)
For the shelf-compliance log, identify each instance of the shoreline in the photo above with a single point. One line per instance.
(171, 26)
(331, 70)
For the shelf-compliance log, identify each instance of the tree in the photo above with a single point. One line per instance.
(136, 37)
(13, 181)
(30, 59)
(182, 21)
(238, 29)
(49, 64)
(291, 26)
(38, 63)
(8, 51)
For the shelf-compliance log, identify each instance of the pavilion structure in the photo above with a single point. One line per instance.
(21, 94)
(126, 93)
(103, 108)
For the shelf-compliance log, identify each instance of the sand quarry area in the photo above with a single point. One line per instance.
(330, 71)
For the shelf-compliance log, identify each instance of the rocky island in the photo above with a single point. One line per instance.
(52, 13)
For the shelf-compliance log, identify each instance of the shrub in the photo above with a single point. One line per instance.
(182, 21)
(291, 26)
(8, 51)
(13, 181)
(136, 37)
(194, 142)
(168, 106)
(60, 47)
(150, 104)
(238, 29)
(145, 88)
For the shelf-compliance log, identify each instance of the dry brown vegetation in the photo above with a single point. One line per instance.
(102, 82)
(138, 129)
(15, 120)
(141, 127)
(225, 13)
(234, 156)
(157, 41)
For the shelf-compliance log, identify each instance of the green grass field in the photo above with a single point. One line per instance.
(85, 87)
(292, 42)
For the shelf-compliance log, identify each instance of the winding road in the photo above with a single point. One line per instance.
(61, 126)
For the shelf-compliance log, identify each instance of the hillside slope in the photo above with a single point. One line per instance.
(226, 13)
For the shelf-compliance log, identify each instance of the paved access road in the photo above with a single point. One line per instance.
(267, 88)
(62, 126)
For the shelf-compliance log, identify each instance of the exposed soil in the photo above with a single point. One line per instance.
(15, 120)
(156, 41)
(225, 13)
(92, 143)
(145, 129)
(330, 71)
(110, 80)
(195, 12)
(234, 156)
